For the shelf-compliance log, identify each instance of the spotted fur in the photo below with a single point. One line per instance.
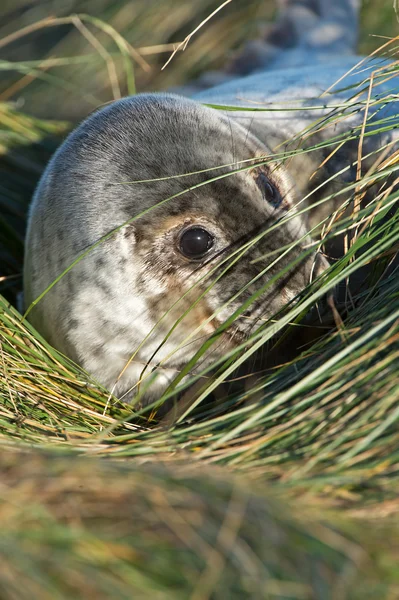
(123, 311)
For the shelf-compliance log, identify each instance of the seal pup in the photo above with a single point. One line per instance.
(160, 272)
(139, 282)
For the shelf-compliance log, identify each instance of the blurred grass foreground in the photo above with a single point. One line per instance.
(286, 490)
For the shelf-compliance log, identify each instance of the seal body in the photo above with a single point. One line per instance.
(159, 217)
(294, 105)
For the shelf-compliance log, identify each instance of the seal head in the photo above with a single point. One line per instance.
(179, 224)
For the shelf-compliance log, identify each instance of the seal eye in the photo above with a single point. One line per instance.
(195, 242)
(269, 191)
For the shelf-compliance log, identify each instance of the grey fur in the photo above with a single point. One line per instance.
(100, 312)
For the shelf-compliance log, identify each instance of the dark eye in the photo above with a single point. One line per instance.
(269, 191)
(195, 242)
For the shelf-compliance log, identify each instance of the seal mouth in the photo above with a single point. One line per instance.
(233, 336)
(232, 332)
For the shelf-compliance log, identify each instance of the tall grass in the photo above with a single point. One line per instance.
(293, 486)
(84, 61)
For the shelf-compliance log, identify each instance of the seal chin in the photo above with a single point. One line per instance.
(145, 388)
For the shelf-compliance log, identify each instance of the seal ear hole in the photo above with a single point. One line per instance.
(269, 190)
(195, 242)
